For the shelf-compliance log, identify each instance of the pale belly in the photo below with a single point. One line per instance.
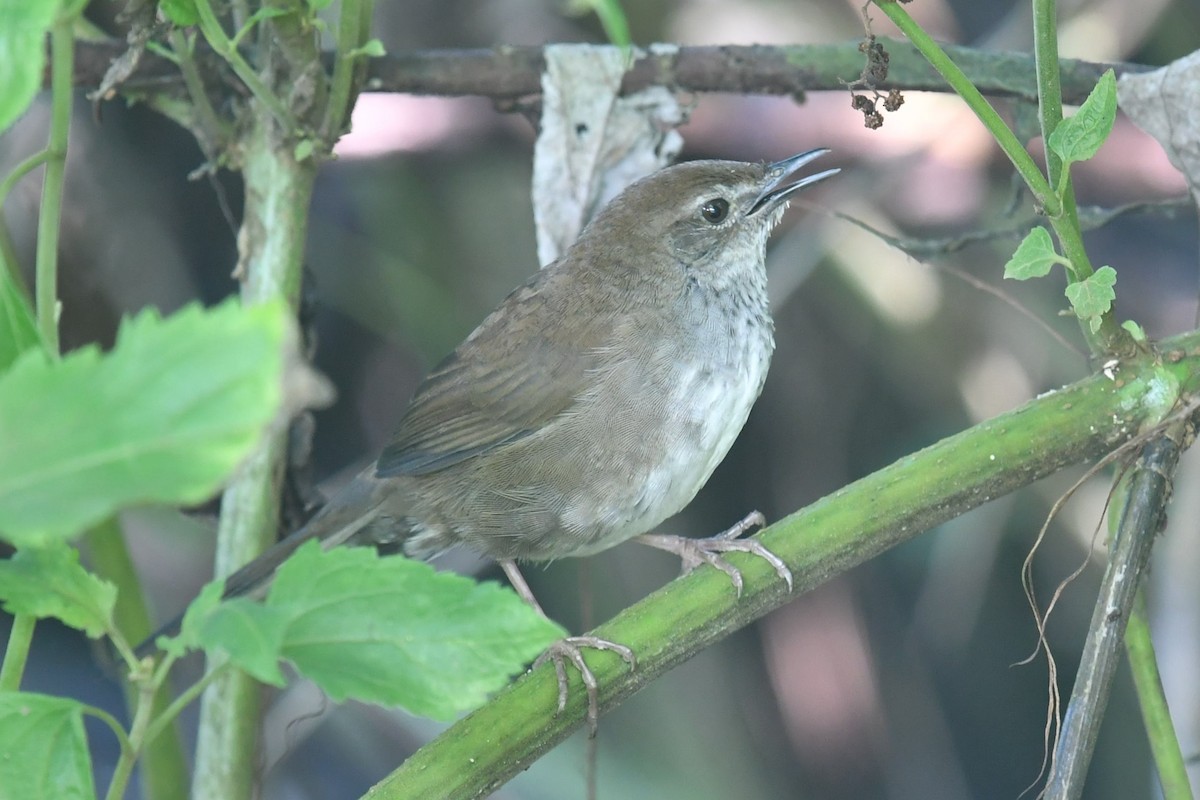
(706, 407)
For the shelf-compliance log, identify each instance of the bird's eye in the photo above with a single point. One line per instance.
(715, 210)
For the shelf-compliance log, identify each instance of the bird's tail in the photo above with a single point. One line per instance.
(346, 514)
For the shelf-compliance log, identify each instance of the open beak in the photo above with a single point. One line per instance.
(777, 188)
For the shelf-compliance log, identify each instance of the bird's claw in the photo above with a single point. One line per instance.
(694, 552)
(569, 649)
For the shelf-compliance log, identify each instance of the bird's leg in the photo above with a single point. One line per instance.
(694, 552)
(568, 649)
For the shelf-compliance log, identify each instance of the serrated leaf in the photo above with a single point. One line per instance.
(190, 627)
(18, 327)
(50, 582)
(43, 749)
(23, 28)
(1093, 296)
(1077, 138)
(394, 631)
(180, 12)
(1034, 256)
(165, 417)
(246, 632)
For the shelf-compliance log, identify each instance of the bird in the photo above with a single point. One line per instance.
(594, 402)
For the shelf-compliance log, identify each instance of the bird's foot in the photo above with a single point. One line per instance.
(570, 650)
(694, 552)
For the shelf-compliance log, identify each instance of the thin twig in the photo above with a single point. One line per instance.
(913, 249)
(1149, 491)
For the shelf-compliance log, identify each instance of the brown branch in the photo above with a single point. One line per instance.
(507, 73)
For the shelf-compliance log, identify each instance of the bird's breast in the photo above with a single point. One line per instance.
(669, 419)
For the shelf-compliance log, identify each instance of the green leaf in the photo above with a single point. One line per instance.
(395, 631)
(1034, 257)
(251, 634)
(611, 16)
(1078, 137)
(1093, 296)
(23, 27)
(49, 582)
(18, 327)
(165, 417)
(180, 12)
(303, 150)
(189, 636)
(43, 749)
(372, 48)
(1135, 331)
(248, 633)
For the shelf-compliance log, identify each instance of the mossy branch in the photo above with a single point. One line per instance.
(1079, 423)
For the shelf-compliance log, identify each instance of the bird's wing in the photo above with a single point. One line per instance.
(506, 381)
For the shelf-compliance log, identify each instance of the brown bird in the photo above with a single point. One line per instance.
(594, 402)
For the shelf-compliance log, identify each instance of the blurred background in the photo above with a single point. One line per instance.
(894, 681)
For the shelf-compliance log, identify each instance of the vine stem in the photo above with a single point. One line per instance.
(16, 653)
(1030, 172)
(1059, 206)
(62, 66)
(1164, 741)
(223, 46)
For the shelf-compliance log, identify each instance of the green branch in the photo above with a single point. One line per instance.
(62, 59)
(353, 27)
(1081, 422)
(210, 130)
(16, 652)
(164, 764)
(1164, 743)
(62, 65)
(271, 245)
(1049, 83)
(1129, 554)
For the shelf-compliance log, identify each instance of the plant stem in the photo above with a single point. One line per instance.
(221, 44)
(62, 65)
(1065, 221)
(210, 132)
(20, 171)
(129, 752)
(164, 771)
(961, 84)
(1049, 82)
(163, 719)
(271, 244)
(112, 723)
(1164, 743)
(1129, 552)
(16, 653)
(353, 26)
(1059, 208)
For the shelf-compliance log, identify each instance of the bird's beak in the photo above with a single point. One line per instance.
(777, 188)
